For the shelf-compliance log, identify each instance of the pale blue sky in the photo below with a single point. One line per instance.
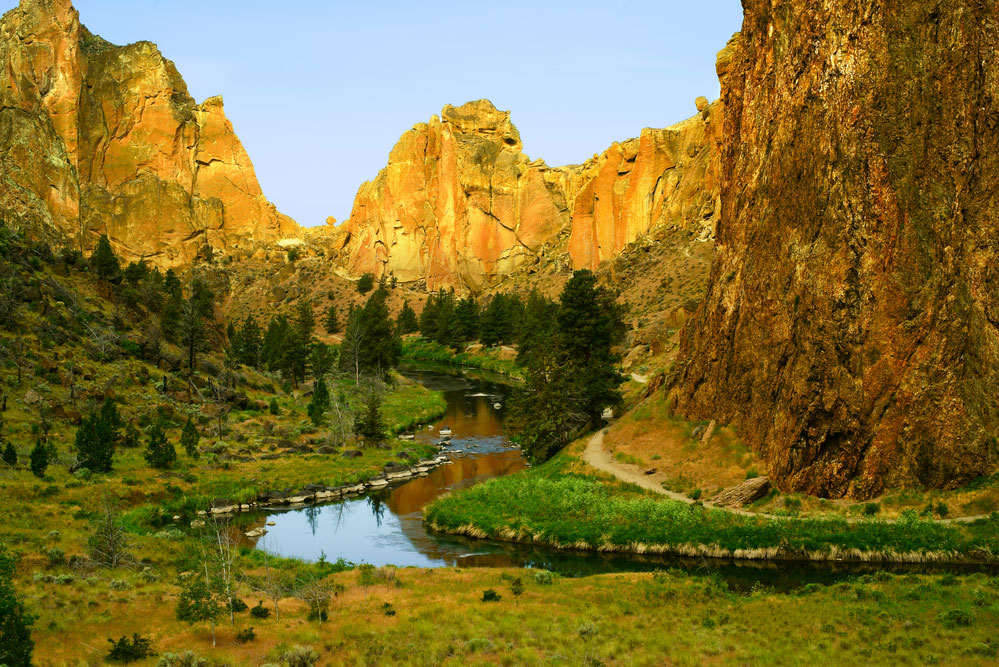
(319, 92)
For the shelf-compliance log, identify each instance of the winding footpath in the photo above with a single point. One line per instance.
(601, 459)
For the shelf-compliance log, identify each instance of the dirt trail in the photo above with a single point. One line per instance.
(601, 459)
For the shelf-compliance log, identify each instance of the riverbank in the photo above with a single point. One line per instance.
(566, 505)
(495, 360)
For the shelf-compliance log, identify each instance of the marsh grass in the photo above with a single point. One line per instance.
(550, 506)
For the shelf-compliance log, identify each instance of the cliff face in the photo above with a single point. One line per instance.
(460, 204)
(96, 138)
(851, 326)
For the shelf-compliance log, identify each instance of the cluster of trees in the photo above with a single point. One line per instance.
(454, 322)
(16, 645)
(288, 346)
(371, 344)
(570, 369)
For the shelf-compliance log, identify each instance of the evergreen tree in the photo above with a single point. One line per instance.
(10, 455)
(130, 440)
(136, 272)
(322, 359)
(272, 349)
(195, 312)
(160, 453)
(248, 350)
(172, 285)
(492, 324)
(466, 319)
(189, 439)
(428, 318)
(39, 459)
(16, 645)
(170, 318)
(332, 322)
(320, 402)
(383, 348)
(537, 328)
(370, 426)
(97, 437)
(366, 283)
(406, 321)
(589, 324)
(104, 261)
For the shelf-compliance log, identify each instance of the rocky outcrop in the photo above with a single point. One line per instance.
(461, 205)
(97, 138)
(851, 326)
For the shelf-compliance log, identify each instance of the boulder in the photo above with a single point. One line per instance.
(744, 493)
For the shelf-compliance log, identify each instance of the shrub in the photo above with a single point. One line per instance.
(300, 656)
(870, 509)
(388, 609)
(274, 408)
(941, 509)
(130, 650)
(260, 611)
(544, 578)
(366, 283)
(480, 645)
(246, 635)
(185, 659)
(56, 556)
(490, 595)
(954, 618)
(237, 605)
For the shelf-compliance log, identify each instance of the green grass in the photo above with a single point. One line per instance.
(549, 505)
(423, 349)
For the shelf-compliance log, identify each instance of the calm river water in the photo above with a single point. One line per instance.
(386, 527)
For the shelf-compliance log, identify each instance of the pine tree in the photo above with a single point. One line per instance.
(466, 317)
(97, 436)
(589, 324)
(428, 318)
(248, 350)
(370, 426)
(189, 439)
(16, 645)
(136, 272)
(383, 348)
(10, 455)
(322, 359)
(406, 321)
(332, 322)
(492, 323)
(537, 328)
(320, 402)
(366, 283)
(39, 459)
(104, 261)
(195, 311)
(160, 453)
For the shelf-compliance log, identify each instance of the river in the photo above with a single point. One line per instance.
(386, 527)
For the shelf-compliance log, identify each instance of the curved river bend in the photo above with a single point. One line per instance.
(386, 527)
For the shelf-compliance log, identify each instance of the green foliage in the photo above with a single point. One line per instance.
(10, 455)
(160, 453)
(16, 646)
(571, 371)
(320, 402)
(39, 459)
(500, 320)
(406, 321)
(132, 436)
(489, 595)
(955, 618)
(246, 635)
(332, 322)
(189, 439)
(371, 344)
(97, 437)
(132, 649)
(274, 408)
(259, 610)
(517, 588)
(575, 509)
(246, 343)
(366, 283)
(370, 426)
(197, 603)
(104, 262)
(299, 656)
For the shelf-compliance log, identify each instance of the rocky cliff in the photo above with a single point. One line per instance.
(460, 204)
(97, 138)
(851, 326)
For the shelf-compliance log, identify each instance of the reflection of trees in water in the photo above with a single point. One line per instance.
(377, 504)
(312, 516)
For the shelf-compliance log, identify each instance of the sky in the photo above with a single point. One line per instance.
(320, 91)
